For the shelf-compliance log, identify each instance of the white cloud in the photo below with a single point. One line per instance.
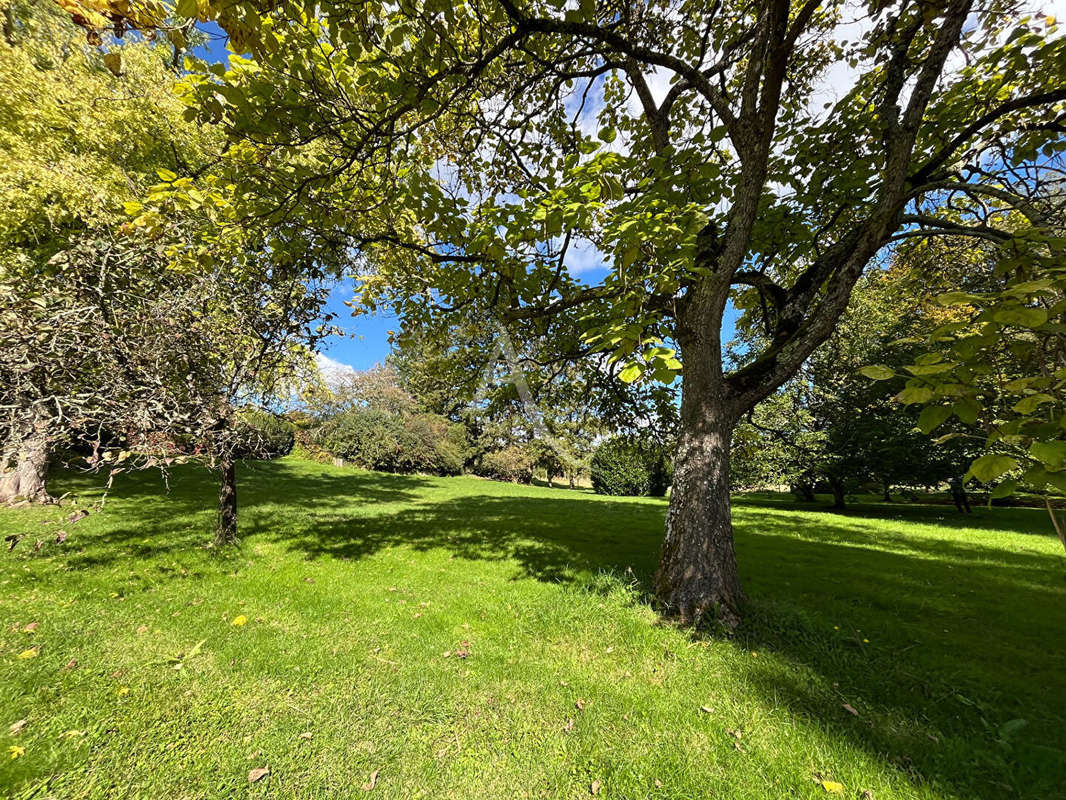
(333, 372)
(582, 256)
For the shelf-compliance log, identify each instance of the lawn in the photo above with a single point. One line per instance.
(453, 637)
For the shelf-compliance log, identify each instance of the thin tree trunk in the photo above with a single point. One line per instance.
(805, 492)
(697, 577)
(26, 480)
(888, 492)
(226, 524)
(1055, 521)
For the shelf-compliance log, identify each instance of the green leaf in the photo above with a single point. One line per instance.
(1022, 317)
(1027, 405)
(929, 369)
(1019, 384)
(186, 8)
(1004, 489)
(1051, 454)
(957, 298)
(989, 467)
(915, 394)
(630, 373)
(932, 417)
(967, 409)
(878, 372)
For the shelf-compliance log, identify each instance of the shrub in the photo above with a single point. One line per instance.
(375, 439)
(625, 465)
(513, 463)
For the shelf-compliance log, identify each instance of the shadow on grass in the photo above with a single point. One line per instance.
(963, 637)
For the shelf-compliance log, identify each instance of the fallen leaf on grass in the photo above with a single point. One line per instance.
(569, 726)
(258, 774)
(16, 727)
(706, 709)
(71, 733)
(16, 751)
(70, 664)
(370, 784)
(61, 537)
(851, 710)
(33, 652)
(77, 516)
(580, 704)
(306, 735)
(143, 629)
(833, 787)
(30, 627)
(123, 691)
(594, 787)
(239, 620)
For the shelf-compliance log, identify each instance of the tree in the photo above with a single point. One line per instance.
(500, 134)
(830, 423)
(190, 350)
(998, 362)
(78, 143)
(546, 390)
(778, 443)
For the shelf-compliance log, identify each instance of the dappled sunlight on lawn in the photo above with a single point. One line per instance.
(886, 648)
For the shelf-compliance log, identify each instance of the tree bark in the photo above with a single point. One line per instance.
(26, 480)
(697, 578)
(838, 492)
(226, 524)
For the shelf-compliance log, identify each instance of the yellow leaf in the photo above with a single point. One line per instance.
(16, 751)
(123, 691)
(113, 61)
(33, 652)
(833, 787)
(240, 620)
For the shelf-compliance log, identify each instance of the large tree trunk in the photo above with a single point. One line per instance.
(226, 525)
(838, 492)
(25, 480)
(697, 576)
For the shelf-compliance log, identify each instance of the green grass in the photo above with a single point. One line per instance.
(938, 630)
